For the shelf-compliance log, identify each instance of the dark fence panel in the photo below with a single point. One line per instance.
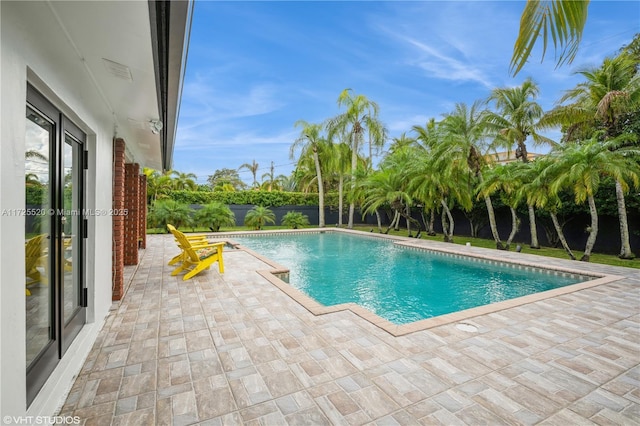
(575, 229)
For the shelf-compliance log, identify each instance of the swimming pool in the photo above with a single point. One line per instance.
(399, 284)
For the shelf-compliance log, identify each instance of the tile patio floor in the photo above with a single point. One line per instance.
(234, 349)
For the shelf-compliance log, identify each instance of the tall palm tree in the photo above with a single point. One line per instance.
(536, 190)
(269, 179)
(562, 20)
(339, 165)
(184, 180)
(516, 119)
(464, 142)
(309, 140)
(360, 118)
(253, 168)
(581, 167)
(427, 138)
(608, 94)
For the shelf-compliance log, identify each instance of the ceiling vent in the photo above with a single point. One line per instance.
(118, 70)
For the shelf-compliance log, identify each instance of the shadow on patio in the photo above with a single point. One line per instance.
(234, 349)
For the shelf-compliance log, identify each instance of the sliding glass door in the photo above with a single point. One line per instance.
(54, 237)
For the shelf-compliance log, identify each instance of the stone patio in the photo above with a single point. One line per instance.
(235, 349)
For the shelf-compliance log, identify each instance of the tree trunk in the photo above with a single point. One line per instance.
(396, 218)
(352, 209)
(316, 160)
(379, 220)
(340, 199)
(563, 240)
(492, 223)
(354, 165)
(515, 224)
(533, 227)
(432, 220)
(447, 230)
(625, 246)
(594, 230)
(408, 213)
(445, 225)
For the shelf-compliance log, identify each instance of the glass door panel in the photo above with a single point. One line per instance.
(39, 294)
(54, 233)
(70, 229)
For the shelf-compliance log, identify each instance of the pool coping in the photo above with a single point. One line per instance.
(316, 308)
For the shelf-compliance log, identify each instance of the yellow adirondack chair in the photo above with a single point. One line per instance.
(35, 255)
(201, 239)
(197, 256)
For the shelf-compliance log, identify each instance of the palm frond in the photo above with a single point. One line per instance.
(560, 20)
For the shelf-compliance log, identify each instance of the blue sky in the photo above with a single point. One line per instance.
(255, 68)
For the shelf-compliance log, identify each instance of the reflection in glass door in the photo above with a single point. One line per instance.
(72, 220)
(54, 238)
(39, 135)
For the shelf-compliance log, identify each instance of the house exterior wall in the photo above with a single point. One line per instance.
(46, 60)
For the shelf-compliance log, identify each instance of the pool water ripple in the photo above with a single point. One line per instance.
(397, 283)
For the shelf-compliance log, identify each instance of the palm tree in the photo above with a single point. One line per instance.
(464, 136)
(428, 137)
(339, 165)
(360, 117)
(434, 183)
(608, 94)
(33, 154)
(184, 181)
(537, 191)
(269, 179)
(310, 139)
(170, 211)
(253, 168)
(562, 20)
(214, 215)
(581, 167)
(505, 179)
(32, 179)
(295, 220)
(158, 185)
(222, 177)
(518, 118)
(259, 216)
(288, 183)
(390, 186)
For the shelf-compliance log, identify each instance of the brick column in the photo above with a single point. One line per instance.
(142, 211)
(117, 264)
(132, 219)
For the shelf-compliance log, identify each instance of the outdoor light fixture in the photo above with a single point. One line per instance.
(155, 126)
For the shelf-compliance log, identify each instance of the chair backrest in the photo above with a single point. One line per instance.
(184, 243)
(34, 250)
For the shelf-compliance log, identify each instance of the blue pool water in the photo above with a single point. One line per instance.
(399, 284)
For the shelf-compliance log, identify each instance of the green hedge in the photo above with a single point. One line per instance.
(257, 198)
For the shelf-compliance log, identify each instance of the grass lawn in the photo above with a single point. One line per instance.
(605, 259)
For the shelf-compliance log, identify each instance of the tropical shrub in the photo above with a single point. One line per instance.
(259, 216)
(295, 220)
(169, 211)
(214, 215)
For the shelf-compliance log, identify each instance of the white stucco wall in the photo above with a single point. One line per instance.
(33, 50)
